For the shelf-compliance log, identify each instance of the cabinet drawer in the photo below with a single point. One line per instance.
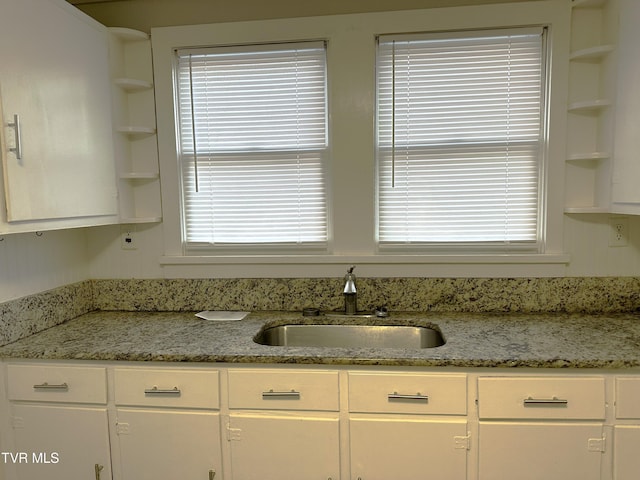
(283, 390)
(54, 383)
(167, 388)
(628, 397)
(408, 393)
(541, 398)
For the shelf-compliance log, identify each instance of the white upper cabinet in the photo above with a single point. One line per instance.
(55, 81)
(626, 173)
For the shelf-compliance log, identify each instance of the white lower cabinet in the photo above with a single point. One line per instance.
(626, 436)
(167, 444)
(284, 424)
(535, 451)
(168, 424)
(535, 428)
(126, 421)
(407, 426)
(284, 446)
(401, 448)
(60, 423)
(61, 442)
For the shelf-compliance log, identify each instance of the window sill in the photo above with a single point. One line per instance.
(301, 266)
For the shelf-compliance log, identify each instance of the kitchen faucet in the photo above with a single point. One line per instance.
(350, 293)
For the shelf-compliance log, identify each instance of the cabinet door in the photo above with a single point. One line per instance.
(408, 449)
(535, 451)
(284, 447)
(169, 444)
(54, 74)
(626, 461)
(61, 443)
(626, 167)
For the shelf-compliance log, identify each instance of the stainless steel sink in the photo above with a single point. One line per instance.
(351, 336)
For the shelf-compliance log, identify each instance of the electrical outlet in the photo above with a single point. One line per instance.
(128, 238)
(619, 233)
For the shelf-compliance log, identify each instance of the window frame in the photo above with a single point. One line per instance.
(192, 176)
(351, 172)
(468, 245)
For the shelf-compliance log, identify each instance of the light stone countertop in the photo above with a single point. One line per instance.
(472, 340)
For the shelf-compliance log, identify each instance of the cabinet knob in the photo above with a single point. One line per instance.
(98, 469)
(212, 473)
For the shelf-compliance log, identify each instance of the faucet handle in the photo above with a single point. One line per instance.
(350, 281)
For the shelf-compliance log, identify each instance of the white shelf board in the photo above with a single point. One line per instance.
(587, 106)
(139, 175)
(577, 157)
(128, 34)
(586, 209)
(136, 130)
(133, 84)
(591, 54)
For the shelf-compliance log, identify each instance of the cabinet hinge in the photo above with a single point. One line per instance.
(122, 428)
(462, 442)
(596, 444)
(17, 422)
(233, 433)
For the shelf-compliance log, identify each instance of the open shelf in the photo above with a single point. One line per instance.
(589, 106)
(587, 210)
(133, 84)
(592, 54)
(137, 131)
(140, 175)
(134, 119)
(128, 34)
(580, 157)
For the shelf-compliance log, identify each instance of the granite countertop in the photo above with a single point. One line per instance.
(472, 340)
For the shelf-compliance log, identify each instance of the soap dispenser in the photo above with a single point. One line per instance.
(350, 293)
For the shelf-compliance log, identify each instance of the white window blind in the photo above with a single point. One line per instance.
(253, 141)
(461, 139)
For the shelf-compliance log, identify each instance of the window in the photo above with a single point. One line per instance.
(460, 126)
(252, 145)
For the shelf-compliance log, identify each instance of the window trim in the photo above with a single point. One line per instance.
(351, 97)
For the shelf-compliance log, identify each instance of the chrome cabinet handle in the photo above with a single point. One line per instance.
(16, 126)
(160, 391)
(292, 394)
(399, 396)
(46, 386)
(545, 401)
(98, 469)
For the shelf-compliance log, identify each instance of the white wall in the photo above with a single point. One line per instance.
(30, 263)
(586, 237)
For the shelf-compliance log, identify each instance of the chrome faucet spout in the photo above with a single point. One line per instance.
(350, 292)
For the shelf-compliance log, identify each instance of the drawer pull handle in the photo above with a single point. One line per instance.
(293, 395)
(18, 148)
(545, 401)
(415, 398)
(50, 386)
(160, 391)
(97, 469)
(212, 474)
